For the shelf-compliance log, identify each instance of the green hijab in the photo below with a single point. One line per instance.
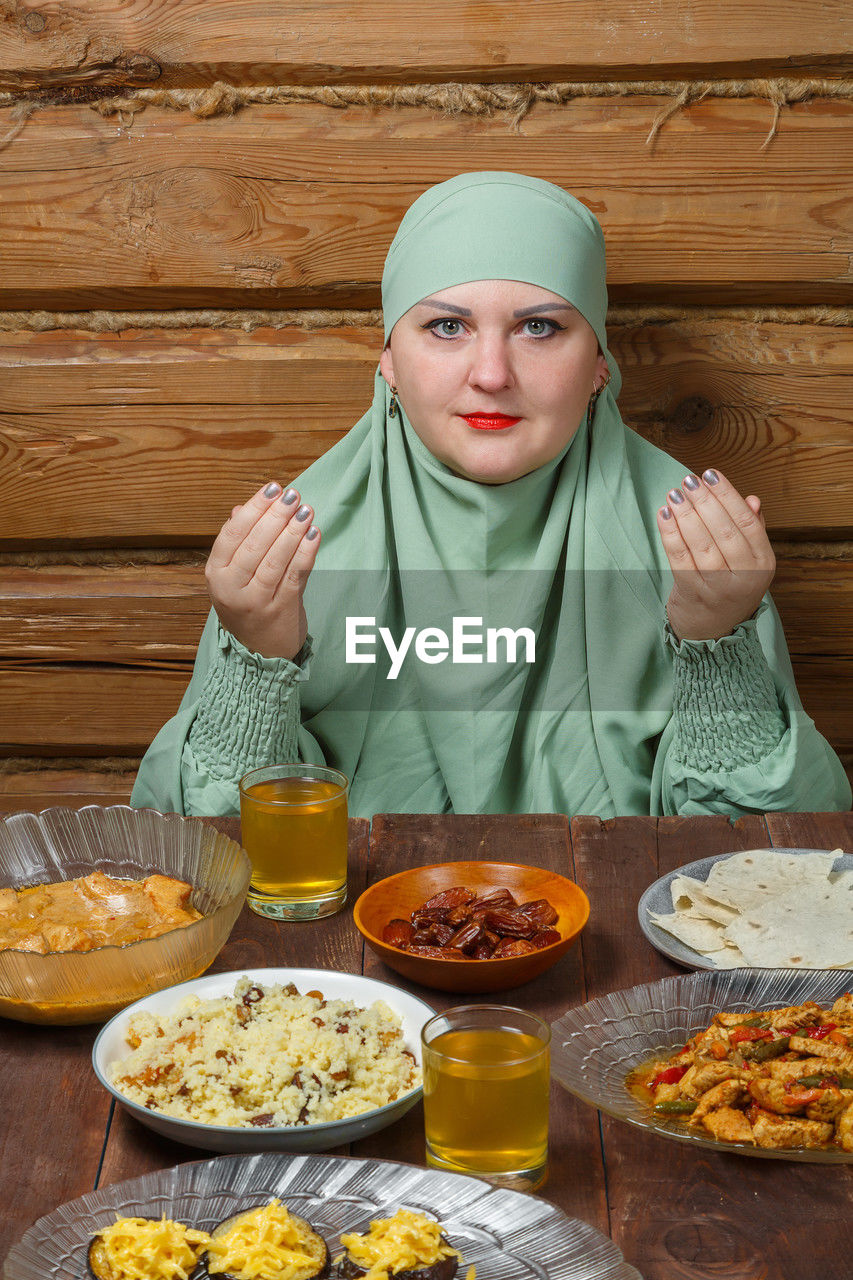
(570, 551)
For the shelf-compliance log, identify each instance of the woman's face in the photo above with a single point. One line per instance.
(495, 376)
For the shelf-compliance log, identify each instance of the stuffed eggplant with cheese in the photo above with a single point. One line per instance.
(267, 1243)
(408, 1246)
(146, 1249)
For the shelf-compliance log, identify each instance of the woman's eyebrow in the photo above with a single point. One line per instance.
(444, 306)
(545, 306)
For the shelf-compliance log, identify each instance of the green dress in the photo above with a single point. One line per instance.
(607, 713)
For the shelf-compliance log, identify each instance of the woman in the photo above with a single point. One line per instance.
(520, 604)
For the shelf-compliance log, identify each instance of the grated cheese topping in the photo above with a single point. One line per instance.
(405, 1242)
(268, 1242)
(144, 1249)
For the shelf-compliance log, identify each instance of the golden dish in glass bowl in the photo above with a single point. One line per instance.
(123, 844)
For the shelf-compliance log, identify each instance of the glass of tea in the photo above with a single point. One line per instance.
(487, 1075)
(294, 829)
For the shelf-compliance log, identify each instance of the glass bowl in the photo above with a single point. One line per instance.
(71, 987)
(594, 1046)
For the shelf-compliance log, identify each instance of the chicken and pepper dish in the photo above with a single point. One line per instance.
(778, 1078)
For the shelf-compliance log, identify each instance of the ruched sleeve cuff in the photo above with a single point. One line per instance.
(249, 710)
(725, 706)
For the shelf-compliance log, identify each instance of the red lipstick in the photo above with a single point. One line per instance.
(490, 421)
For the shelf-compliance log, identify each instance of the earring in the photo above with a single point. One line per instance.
(596, 392)
(393, 408)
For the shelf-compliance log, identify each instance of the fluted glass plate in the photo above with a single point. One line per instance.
(61, 844)
(594, 1046)
(657, 900)
(111, 1045)
(504, 1234)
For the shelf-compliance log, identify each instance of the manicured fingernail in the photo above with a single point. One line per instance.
(312, 533)
(666, 513)
(691, 483)
(710, 477)
(272, 489)
(303, 513)
(289, 497)
(676, 496)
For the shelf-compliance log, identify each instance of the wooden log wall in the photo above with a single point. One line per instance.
(196, 198)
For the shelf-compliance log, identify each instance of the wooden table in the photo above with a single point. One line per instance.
(677, 1213)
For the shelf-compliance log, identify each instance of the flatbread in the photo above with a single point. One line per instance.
(766, 908)
(693, 929)
(809, 927)
(729, 958)
(689, 894)
(747, 879)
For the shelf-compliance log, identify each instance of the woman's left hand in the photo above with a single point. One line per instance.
(719, 553)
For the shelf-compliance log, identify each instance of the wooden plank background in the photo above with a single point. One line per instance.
(130, 425)
(189, 42)
(296, 205)
(107, 435)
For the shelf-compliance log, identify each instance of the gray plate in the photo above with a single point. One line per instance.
(658, 899)
(506, 1235)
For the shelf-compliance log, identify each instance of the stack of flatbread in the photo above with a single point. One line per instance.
(765, 908)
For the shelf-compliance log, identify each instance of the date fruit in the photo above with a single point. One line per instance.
(466, 937)
(544, 938)
(398, 933)
(540, 912)
(512, 947)
(448, 899)
(510, 924)
(436, 953)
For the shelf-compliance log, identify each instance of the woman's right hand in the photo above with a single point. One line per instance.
(257, 571)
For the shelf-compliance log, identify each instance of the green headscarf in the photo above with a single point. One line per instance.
(471, 228)
(570, 551)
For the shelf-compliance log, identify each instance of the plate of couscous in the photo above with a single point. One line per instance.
(266, 1059)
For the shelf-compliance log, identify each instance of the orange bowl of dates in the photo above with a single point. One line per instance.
(472, 926)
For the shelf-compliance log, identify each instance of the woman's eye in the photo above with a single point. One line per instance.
(539, 327)
(445, 328)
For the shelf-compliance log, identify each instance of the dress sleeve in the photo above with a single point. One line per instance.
(739, 740)
(240, 711)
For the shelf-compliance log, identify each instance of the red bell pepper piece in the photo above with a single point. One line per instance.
(741, 1034)
(818, 1033)
(671, 1075)
(802, 1097)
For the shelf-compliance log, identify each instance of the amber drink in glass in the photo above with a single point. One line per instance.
(294, 829)
(486, 1085)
